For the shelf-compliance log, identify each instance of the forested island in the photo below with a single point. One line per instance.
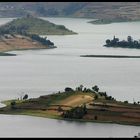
(130, 43)
(79, 104)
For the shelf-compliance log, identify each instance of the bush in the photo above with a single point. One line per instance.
(13, 103)
(68, 89)
(25, 97)
(126, 102)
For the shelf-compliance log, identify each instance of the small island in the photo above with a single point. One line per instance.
(79, 104)
(130, 43)
(112, 20)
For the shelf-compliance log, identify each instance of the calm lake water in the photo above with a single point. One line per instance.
(46, 71)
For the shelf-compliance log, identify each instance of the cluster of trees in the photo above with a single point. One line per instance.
(83, 89)
(13, 29)
(44, 41)
(130, 43)
(22, 30)
(13, 103)
(75, 113)
(94, 89)
(135, 103)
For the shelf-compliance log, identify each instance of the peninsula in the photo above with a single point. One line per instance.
(24, 33)
(80, 104)
(10, 42)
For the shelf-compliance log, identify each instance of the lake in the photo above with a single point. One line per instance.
(41, 72)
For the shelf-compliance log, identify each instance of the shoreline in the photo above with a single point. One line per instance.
(110, 21)
(70, 120)
(7, 52)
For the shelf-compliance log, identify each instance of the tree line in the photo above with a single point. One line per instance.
(22, 30)
(129, 43)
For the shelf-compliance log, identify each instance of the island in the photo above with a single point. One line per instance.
(26, 33)
(130, 43)
(111, 20)
(79, 104)
(111, 56)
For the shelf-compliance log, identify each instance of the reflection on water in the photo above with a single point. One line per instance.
(25, 126)
(42, 72)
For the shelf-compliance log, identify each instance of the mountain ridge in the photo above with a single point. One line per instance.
(95, 10)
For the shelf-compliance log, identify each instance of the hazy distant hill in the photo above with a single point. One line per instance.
(100, 10)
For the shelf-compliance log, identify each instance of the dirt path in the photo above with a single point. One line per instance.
(76, 100)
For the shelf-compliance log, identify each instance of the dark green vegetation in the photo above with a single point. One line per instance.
(75, 113)
(33, 25)
(109, 21)
(44, 41)
(130, 43)
(110, 56)
(106, 11)
(79, 104)
(6, 54)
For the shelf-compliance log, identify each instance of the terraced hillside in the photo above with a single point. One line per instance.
(100, 10)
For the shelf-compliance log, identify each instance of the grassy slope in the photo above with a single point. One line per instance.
(38, 26)
(46, 106)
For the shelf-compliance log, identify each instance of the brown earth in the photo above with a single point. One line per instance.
(18, 42)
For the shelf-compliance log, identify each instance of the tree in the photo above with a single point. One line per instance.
(59, 109)
(85, 108)
(95, 88)
(25, 97)
(68, 89)
(134, 103)
(85, 89)
(126, 102)
(129, 39)
(108, 41)
(96, 97)
(81, 87)
(13, 103)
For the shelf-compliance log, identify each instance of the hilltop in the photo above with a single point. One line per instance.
(33, 25)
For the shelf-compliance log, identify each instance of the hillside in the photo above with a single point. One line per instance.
(33, 25)
(98, 10)
(19, 42)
